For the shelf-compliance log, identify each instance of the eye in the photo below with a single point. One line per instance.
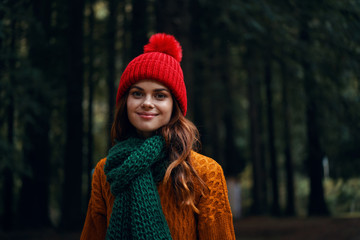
(160, 96)
(136, 94)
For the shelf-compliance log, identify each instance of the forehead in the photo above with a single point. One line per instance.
(150, 84)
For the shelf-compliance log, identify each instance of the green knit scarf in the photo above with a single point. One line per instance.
(133, 167)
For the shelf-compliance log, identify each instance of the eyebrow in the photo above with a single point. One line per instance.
(156, 90)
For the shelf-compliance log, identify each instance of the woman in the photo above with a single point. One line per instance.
(152, 185)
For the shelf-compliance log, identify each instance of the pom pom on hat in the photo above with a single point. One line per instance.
(160, 62)
(164, 43)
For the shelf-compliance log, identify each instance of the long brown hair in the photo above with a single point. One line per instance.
(181, 137)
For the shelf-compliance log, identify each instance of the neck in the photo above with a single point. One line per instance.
(145, 134)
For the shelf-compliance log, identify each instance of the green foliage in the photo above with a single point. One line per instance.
(343, 196)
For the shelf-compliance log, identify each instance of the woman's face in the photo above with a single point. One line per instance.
(149, 106)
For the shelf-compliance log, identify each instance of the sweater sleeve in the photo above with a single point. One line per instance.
(95, 222)
(215, 220)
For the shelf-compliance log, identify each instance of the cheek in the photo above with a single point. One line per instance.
(130, 105)
(130, 108)
(168, 108)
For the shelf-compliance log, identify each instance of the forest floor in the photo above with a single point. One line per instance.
(261, 228)
(250, 228)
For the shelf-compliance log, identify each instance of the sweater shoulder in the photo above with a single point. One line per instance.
(101, 163)
(205, 166)
(99, 174)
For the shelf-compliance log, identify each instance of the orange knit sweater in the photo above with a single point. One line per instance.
(213, 222)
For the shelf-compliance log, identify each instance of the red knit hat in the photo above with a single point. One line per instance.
(161, 62)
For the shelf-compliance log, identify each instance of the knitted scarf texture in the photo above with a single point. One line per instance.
(133, 167)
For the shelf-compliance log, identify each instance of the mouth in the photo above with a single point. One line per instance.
(146, 115)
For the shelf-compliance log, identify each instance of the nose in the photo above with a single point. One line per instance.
(147, 104)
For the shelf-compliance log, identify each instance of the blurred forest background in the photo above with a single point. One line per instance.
(273, 87)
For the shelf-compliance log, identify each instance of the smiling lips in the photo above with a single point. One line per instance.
(147, 116)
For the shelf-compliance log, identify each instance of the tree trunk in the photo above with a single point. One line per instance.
(165, 14)
(259, 176)
(111, 53)
(126, 36)
(139, 27)
(317, 205)
(271, 137)
(8, 177)
(197, 72)
(8, 199)
(72, 197)
(232, 163)
(34, 197)
(90, 137)
(289, 168)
